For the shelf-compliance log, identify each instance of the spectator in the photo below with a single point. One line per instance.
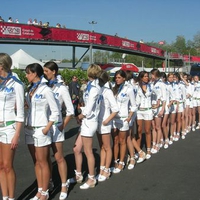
(58, 25)
(30, 21)
(46, 24)
(40, 23)
(74, 93)
(1, 19)
(35, 22)
(10, 19)
(17, 21)
(82, 89)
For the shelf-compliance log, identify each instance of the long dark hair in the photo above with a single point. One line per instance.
(156, 73)
(177, 76)
(122, 74)
(140, 83)
(52, 66)
(34, 68)
(104, 78)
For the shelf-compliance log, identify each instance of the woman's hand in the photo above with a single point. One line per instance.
(61, 127)
(45, 131)
(105, 122)
(14, 142)
(128, 119)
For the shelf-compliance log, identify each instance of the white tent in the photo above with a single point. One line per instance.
(21, 59)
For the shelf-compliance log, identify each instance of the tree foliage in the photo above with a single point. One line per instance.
(67, 74)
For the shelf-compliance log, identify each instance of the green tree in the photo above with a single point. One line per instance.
(22, 75)
(67, 74)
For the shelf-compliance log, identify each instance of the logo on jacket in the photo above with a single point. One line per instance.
(56, 95)
(38, 96)
(8, 90)
(123, 94)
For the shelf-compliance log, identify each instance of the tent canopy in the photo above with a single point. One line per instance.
(129, 66)
(21, 59)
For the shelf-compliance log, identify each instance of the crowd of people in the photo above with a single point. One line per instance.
(32, 22)
(164, 106)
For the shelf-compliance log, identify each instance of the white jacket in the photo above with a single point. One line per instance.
(12, 101)
(125, 100)
(62, 95)
(108, 103)
(42, 107)
(144, 100)
(92, 98)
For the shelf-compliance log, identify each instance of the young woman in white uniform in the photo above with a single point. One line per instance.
(181, 103)
(174, 108)
(131, 140)
(158, 104)
(190, 92)
(196, 102)
(126, 102)
(108, 110)
(11, 120)
(184, 78)
(169, 101)
(192, 108)
(144, 113)
(62, 95)
(89, 122)
(42, 113)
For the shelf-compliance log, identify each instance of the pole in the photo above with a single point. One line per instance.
(91, 55)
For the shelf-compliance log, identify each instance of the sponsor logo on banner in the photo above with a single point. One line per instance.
(153, 50)
(10, 30)
(83, 36)
(126, 44)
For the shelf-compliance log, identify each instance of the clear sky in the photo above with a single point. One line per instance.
(153, 20)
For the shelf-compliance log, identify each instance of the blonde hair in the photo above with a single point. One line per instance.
(5, 62)
(94, 71)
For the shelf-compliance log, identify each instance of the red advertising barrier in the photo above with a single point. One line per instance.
(33, 32)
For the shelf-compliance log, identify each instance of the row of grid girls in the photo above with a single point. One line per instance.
(140, 101)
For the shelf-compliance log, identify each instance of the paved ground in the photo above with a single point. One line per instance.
(172, 174)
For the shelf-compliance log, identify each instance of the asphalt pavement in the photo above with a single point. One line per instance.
(172, 174)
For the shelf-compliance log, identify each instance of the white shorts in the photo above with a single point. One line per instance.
(196, 102)
(180, 107)
(156, 111)
(56, 134)
(167, 110)
(133, 119)
(191, 104)
(7, 133)
(173, 108)
(88, 128)
(145, 115)
(104, 129)
(187, 102)
(120, 124)
(35, 136)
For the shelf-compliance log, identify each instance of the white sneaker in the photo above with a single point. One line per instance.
(193, 128)
(183, 137)
(170, 142)
(148, 156)
(154, 151)
(198, 126)
(166, 146)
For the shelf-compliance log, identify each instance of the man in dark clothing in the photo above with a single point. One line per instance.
(74, 93)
